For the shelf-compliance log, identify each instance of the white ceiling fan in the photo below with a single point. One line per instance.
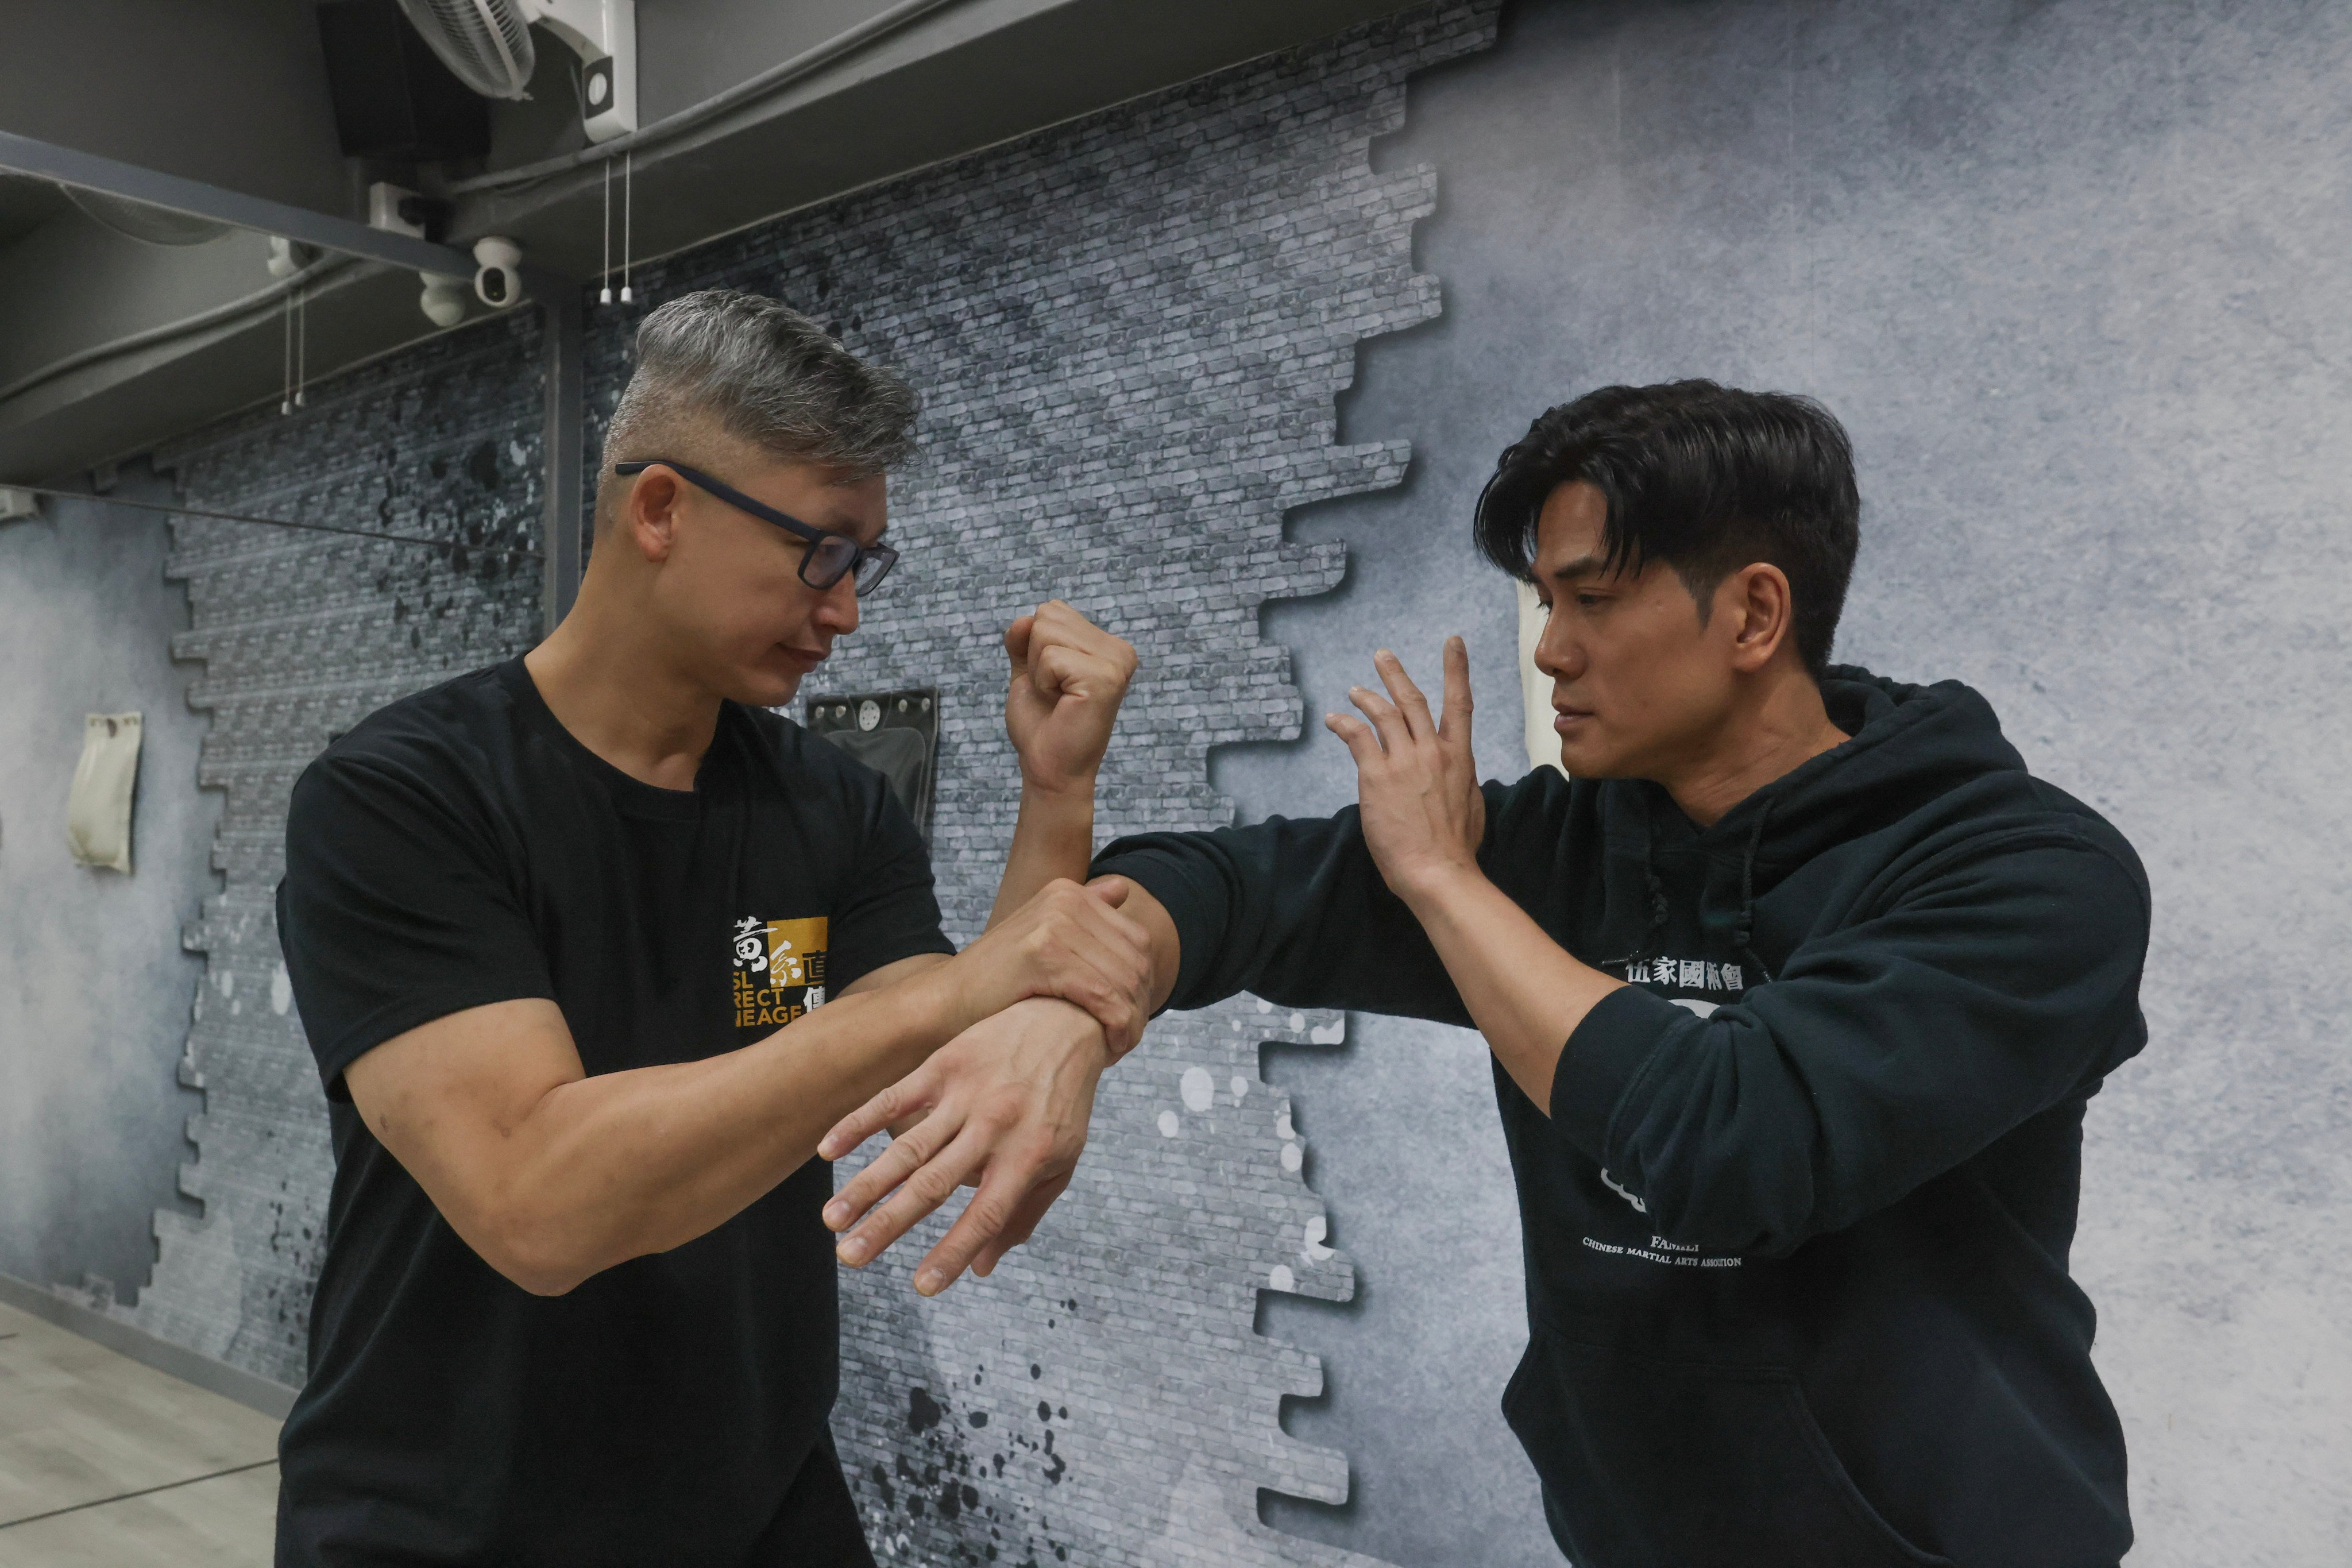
(488, 43)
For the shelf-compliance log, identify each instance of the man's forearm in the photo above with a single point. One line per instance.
(1525, 992)
(1053, 838)
(612, 1166)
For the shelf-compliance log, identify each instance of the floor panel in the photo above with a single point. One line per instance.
(224, 1522)
(106, 1461)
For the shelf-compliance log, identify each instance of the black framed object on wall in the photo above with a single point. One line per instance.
(896, 733)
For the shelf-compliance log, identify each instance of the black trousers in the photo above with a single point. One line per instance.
(817, 1526)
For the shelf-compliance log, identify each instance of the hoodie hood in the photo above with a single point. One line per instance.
(1909, 745)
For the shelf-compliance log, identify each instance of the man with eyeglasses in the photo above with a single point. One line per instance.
(592, 949)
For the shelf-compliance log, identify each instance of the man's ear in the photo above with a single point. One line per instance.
(1757, 604)
(649, 513)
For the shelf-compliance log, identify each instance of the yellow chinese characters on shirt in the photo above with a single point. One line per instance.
(778, 971)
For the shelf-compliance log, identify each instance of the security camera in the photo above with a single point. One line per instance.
(498, 277)
(444, 299)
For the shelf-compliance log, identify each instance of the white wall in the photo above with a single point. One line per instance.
(94, 989)
(2074, 273)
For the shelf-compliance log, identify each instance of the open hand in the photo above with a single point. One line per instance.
(1003, 1106)
(1068, 678)
(1424, 813)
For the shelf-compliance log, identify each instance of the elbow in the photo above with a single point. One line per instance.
(1740, 1208)
(532, 1253)
(543, 1281)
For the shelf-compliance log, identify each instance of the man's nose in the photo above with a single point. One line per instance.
(837, 610)
(1557, 654)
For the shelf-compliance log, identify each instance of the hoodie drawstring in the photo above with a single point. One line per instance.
(1743, 931)
(1660, 910)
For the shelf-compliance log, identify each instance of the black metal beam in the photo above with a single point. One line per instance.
(89, 172)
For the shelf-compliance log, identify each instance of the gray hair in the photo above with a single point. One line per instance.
(767, 376)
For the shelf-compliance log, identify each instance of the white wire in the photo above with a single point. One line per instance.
(286, 365)
(605, 295)
(301, 342)
(628, 218)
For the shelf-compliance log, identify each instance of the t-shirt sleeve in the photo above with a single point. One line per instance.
(395, 909)
(891, 910)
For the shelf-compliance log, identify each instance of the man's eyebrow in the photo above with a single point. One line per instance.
(1582, 566)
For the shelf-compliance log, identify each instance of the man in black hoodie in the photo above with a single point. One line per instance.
(1796, 995)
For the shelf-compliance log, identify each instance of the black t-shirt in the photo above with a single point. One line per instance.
(460, 847)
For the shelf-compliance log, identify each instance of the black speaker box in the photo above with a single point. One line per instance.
(393, 98)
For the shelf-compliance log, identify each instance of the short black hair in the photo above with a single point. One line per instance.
(1702, 477)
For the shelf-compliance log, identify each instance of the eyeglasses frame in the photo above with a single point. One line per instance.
(786, 520)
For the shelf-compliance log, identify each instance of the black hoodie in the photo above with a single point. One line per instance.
(1797, 1223)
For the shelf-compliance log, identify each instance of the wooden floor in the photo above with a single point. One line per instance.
(105, 1463)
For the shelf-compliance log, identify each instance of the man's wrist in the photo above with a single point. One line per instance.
(1430, 889)
(951, 1003)
(1090, 1038)
(1076, 793)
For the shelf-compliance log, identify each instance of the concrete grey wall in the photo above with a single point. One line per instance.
(94, 989)
(2073, 273)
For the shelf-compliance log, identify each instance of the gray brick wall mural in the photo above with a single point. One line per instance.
(1129, 332)
(302, 635)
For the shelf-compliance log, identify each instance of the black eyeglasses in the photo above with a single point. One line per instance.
(830, 556)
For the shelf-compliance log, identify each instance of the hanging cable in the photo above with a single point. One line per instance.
(628, 218)
(605, 294)
(250, 309)
(425, 539)
(301, 342)
(286, 369)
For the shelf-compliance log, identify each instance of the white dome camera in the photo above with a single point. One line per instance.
(498, 274)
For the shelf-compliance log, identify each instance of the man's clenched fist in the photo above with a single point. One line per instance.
(1068, 676)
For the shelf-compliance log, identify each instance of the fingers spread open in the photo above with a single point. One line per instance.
(1023, 1225)
(1009, 1180)
(1457, 726)
(924, 1189)
(1362, 744)
(909, 1097)
(1383, 715)
(889, 1168)
(1412, 706)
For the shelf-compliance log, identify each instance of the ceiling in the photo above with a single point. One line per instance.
(109, 343)
(26, 204)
